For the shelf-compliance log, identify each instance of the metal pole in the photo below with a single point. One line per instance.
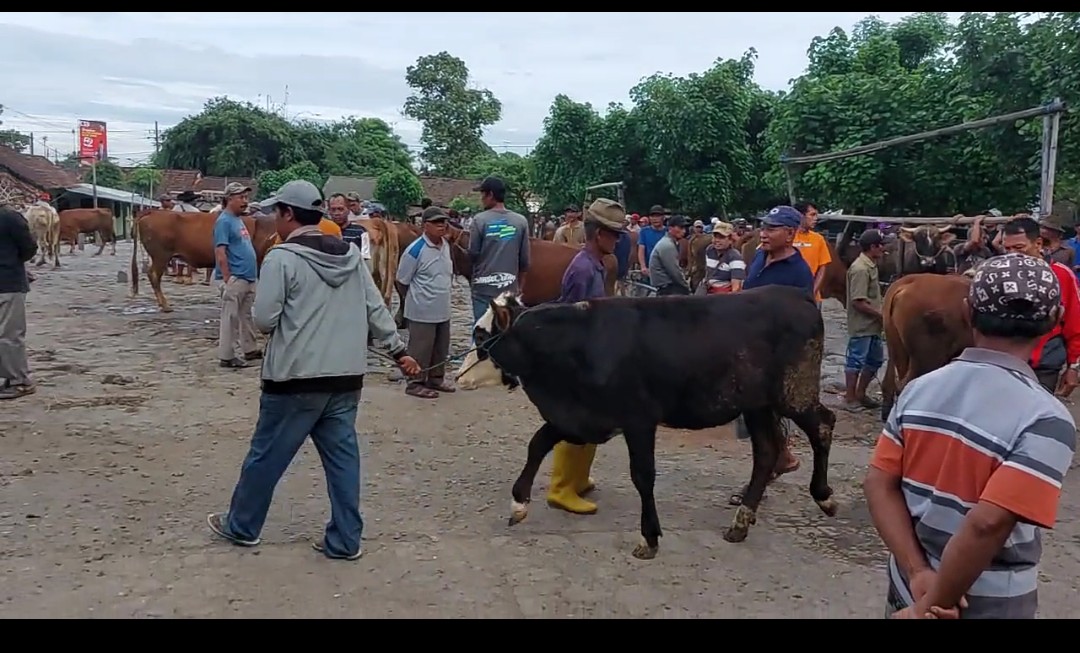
(93, 173)
(1051, 166)
(1044, 169)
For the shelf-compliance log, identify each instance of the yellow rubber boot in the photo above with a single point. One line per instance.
(562, 493)
(585, 482)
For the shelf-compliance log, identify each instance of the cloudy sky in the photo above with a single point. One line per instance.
(131, 69)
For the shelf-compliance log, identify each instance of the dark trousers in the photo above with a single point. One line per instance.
(429, 344)
(1048, 379)
(672, 289)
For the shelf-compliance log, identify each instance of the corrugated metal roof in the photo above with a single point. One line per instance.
(113, 195)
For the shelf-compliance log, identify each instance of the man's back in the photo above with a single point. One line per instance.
(16, 247)
(499, 243)
(954, 443)
(663, 255)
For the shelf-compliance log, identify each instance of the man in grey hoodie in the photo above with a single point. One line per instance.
(313, 291)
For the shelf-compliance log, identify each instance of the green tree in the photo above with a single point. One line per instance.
(461, 203)
(397, 189)
(570, 154)
(144, 180)
(512, 168)
(10, 138)
(230, 139)
(453, 114)
(108, 174)
(271, 180)
(364, 147)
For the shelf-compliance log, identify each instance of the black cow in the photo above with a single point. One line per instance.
(599, 368)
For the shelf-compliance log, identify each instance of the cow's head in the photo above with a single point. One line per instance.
(931, 251)
(491, 329)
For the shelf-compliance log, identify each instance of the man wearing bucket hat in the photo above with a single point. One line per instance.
(317, 301)
(1053, 228)
(238, 269)
(605, 221)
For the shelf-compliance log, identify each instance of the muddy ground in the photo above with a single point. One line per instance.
(108, 472)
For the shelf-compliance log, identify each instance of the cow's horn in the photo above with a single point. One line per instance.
(909, 230)
(942, 230)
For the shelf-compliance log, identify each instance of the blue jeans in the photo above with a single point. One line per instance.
(480, 306)
(864, 353)
(285, 421)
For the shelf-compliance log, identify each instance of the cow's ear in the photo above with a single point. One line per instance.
(948, 237)
(502, 316)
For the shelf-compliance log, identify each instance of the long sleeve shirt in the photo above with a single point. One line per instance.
(664, 267)
(1068, 329)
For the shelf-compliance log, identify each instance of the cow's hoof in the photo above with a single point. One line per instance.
(518, 512)
(167, 309)
(39, 264)
(829, 506)
(645, 552)
(735, 534)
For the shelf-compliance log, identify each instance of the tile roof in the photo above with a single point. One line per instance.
(442, 190)
(36, 170)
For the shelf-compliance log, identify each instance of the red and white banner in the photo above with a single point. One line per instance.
(93, 141)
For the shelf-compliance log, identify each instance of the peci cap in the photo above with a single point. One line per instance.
(433, 214)
(783, 216)
(492, 185)
(298, 194)
(236, 188)
(1016, 287)
(871, 237)
(607, 213)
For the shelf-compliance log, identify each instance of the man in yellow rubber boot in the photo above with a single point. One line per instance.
(584, 279)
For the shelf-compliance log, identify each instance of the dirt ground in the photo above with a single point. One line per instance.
(108, 472)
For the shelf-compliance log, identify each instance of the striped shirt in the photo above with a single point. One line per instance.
(954, 442)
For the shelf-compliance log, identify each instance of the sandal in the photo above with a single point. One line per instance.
(421, 392)
(442, 386)
(16, 391)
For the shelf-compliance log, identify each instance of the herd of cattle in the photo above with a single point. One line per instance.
(758, 352)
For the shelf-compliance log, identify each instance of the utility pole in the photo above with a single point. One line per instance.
(31, 143)
(157, 139)
(93, 178)
(45, 146)
(74, 143)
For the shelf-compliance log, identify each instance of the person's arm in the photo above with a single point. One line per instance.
(270, 292)
(25, 244)
(1070, 323)
(476, 240)
(859, 289)
(885, 500)
(221, 245)
(524, 260)
(1025, 488)
(575, 286)
(643, 265)
(737, 266)
(824, 259)
(380, 321)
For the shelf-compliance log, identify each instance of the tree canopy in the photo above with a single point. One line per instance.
(710, 143)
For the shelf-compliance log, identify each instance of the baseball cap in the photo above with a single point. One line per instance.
(298, 193)
(236, 188)
(433, 214)
(572, 208)
(723, 229)
(1016, 287)
(699, 223)
(871, 237)
(677, 221)
(783, 216)
(658, 210)
(491, 185)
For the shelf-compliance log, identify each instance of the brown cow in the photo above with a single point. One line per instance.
(696, 266)
(165, 234)
(97, 221)
(925, 328)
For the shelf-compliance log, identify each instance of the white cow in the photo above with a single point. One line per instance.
(44, 224)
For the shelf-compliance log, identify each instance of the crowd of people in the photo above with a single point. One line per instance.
(968, 469)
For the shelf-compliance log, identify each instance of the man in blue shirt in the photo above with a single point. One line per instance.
(605, 221)
(777, 263)
(650, 235)
(237, 268)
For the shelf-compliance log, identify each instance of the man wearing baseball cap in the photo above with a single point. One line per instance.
(777, 263)
(317, 301)
(650, 235)
(970, 464)
(237, 268)
(498, 247)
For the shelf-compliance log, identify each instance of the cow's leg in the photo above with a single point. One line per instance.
(641, 445)
(156, 271)
(99, 236)
(888, 389)
(43, 252)
(818, 424)
(112, 241)
(766, 441)
(207, 275)
(54, 249)
(541, 444)
(399, 315)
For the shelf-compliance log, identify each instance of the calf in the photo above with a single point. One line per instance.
(45, 226)
(926, 326)
(97, 221)
(605, 367)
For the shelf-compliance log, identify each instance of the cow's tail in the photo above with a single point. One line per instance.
(134, 259)
(392, 254)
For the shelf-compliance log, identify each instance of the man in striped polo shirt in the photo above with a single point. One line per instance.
(961, 482)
